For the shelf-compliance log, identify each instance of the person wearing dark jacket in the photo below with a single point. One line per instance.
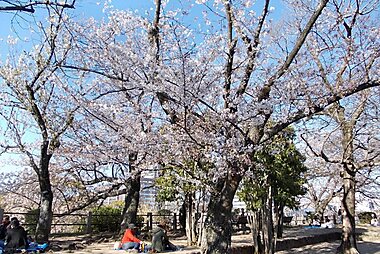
(3, 230)
(16, 238)
(160, 240)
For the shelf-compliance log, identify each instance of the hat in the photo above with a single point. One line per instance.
(131, 225)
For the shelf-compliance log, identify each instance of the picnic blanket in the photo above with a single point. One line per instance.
(313, 226)
(33, 248)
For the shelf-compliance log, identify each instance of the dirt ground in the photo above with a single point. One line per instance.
(322, 248)
(330, 247)
(366, 246)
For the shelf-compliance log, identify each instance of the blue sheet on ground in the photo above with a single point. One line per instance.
(314, 226)
(33, 247)
(36, 246)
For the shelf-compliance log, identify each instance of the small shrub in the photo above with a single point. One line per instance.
(31, 220)
(106, 218)
(164, 216)
(140, 221)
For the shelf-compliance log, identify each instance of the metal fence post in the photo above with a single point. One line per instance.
(89, 223)
(1, 214)
(175, 221)
(150, 220)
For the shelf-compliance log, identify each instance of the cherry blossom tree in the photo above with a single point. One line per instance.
(99, 156)
(217, 87)
(357, 63)
(351, 140)
(37, 107)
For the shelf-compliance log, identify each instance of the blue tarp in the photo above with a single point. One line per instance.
(33, 247)
(314, 226)
(37, 247)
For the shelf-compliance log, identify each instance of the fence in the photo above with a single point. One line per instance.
(84, 223)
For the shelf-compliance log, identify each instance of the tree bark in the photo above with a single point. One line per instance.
(267, 225)
(46, 196)
(254, 221)
(182, 216)
(46, 214)
(131, 201)
(217, 229)
(190, 221)
(280, 220)
(132, 196)
(348, 244)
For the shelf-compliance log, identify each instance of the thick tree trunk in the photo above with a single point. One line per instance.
(217, 231)
(46, 198)
(348, 244)
(131, 201)
(132, 196)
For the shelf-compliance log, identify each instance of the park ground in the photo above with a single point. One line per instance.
(369, 244)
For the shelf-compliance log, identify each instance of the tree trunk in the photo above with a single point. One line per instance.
(182, 216)
(280, 220)
(132, 196)
(190, 220)
(254, 222)
(217, 231)
(131, 201)
(46, 199)
(268, 236)
(348, 244)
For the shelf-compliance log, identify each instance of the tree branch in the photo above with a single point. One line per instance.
(302, 113)
(29, 7)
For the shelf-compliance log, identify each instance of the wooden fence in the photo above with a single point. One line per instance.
(84, 223)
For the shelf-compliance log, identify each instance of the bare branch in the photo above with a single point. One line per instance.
(301, 114)
(265, 91)
(19, 6)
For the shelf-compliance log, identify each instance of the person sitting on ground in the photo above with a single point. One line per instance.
(3, 230)
(328, 224)
(374, 221)
(129, 240)
(316, 222)
(160, 240)
(16, 237)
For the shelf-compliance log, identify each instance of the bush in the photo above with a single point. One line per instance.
(31, 220)
(106, 218)
(140, 221)
(164, 216)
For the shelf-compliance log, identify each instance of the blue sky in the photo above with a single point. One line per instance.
(16, 24)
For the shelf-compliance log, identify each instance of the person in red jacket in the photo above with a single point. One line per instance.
(129, 240)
